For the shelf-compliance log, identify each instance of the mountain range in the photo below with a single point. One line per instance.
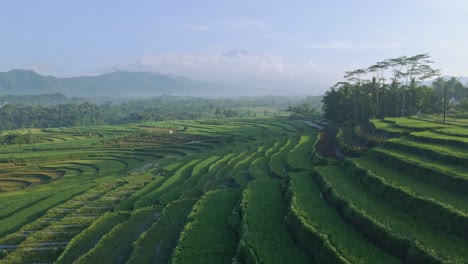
(114, 84)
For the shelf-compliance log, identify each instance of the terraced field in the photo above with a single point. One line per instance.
(234, 191)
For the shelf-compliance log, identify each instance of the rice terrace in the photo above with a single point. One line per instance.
(244, 190)
(234, 132)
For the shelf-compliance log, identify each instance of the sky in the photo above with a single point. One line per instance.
(297, 46)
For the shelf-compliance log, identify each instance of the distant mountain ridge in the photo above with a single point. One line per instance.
(115, 84)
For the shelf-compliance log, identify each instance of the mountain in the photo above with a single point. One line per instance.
(115, 84)
(19, 82)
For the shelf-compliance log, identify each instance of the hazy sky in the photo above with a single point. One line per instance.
(293, 44)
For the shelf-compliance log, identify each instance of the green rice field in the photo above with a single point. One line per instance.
(235, 190)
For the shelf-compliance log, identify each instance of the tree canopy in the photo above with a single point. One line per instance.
(390, 88)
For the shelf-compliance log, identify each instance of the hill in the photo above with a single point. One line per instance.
(115, 84)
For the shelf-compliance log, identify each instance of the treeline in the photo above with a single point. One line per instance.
(14, 116)
(303, 111)
(50, 99)
(24, 116)
(394, 87)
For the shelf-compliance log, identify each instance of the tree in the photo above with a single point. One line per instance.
(301, 111)
(463, 106)
(370, 96)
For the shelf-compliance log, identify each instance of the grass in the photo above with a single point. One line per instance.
(412, 185)
(413, 123)
(117, 245)
(17, 219)
(440, 138)
(240, 170)
(197, 173)
(128, 199)
(207, 237)
(441, 149)
(157, 243)
(389, 127)
(459, 171)
(199, 189)
(454, 131)
(172, 181)
(278, 160)
(309, 206)
(87, 239)
(263, 229)
(388, 217)
(259, 168)
(300, 158)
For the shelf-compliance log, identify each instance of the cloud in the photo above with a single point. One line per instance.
(346, 45)
(225, 67)
(194, 27)
(268, 71)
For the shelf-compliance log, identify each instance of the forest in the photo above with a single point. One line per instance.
(395, 87)
(56, 110)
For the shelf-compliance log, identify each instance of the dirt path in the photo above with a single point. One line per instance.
(311, 124)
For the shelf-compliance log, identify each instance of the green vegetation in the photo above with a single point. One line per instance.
(385, 224)
(116, 246)
(172, 181)
(87, 239)
(367, 93)
(242, 190)
(71, 112)
(300, 158)
(278, 160)
(324, 233)
(426, 201)
(208, 230)
(156, 244)
(264, 237)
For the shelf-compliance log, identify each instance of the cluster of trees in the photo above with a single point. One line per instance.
(22, 116)
(17, 138)
(14, 116)
(390, 88)
(301, 111)
(49, 99)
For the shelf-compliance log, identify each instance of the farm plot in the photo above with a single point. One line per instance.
(428, 202)
(456, 155)
(300, 157)
(207, 230)
(450, 177)
(126, 196)
(415, 124)
(386, 225)
(45, 238)
(157, 243)
(322, 232)
(264, 237)
(117, 245)
(278, 161)
(389, 127)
